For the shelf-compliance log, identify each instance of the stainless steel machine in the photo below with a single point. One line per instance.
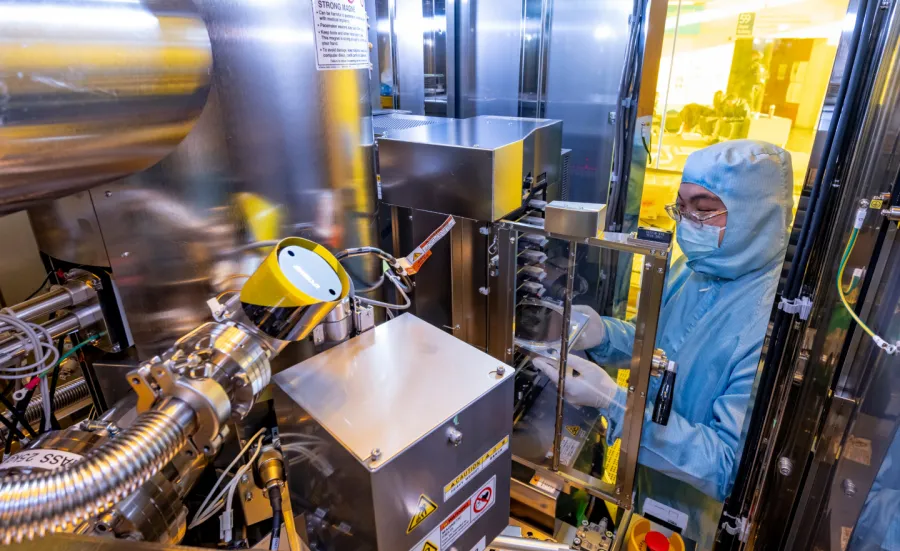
(261, 328)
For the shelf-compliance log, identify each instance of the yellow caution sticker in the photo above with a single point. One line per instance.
(429, 546)
(573, 429)
(424, 509)
(479, 465)
(876, 204)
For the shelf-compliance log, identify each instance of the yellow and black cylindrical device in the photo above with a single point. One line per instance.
(294, 289)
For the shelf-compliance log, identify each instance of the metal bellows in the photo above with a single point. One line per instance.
(94, 90)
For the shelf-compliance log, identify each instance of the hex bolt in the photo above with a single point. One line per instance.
(785, 466)
(125, 254)
(484, 230)
(849, 487)
(501, 370)
(454, 436)
(108, 194)
(248, 496)
(375, 454)
(484, 290)
(245, 479)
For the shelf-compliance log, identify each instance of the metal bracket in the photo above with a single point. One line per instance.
(800, 305)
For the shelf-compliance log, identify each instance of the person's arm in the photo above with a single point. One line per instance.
(617, 344)
(701, 455)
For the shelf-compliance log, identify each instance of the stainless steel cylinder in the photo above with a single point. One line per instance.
(94, 90)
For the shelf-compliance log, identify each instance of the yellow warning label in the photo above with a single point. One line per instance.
(489, 456)
(423, 510)
(573, 429)
(416, 256)
(876, 204)
(429, 546)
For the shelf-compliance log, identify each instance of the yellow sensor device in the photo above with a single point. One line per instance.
(293, 290)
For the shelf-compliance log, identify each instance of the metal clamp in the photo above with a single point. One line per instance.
(205, 396)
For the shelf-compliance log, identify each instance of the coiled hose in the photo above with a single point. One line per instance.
(35, 504)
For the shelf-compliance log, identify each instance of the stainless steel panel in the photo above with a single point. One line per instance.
(375, 413)
(68, 229)
(293, 142)
(489, 38)
(587, 49)
(94, 91)
(359, 389)
(469, 279)
(408, 25)
(472, 168)
(502, 302)
(578, 219)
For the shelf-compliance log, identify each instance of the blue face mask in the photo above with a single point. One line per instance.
(697, 242)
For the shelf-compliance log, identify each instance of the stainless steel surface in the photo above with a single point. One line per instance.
(299, 162)
(489, 38)
(374, 412)
(468, 267)
(407, 26)
(563, 357)
(345, 388)
(649, 302)
(68, 396)
(385, 124)
(576, 219)
(502, 303)
(155, 511)
(472, 168)
(94, 91)
(587, 48)
(47, 502)
(68, 229)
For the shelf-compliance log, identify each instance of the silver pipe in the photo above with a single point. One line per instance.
(508, 543)
(66, 395)
(35, 504)
(563, 356)
(115, 87)
(77, 319)
(56, 299)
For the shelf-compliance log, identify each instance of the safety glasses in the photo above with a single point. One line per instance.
(676, 213)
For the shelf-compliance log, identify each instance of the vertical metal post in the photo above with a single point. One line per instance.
(564, 354)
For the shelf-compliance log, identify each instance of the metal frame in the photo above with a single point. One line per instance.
(649, 302)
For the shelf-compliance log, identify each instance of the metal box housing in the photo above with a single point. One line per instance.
(576, 219)
(400, 423)
(474, 168)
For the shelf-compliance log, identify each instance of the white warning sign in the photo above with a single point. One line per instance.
(342, 36)
(460, 520)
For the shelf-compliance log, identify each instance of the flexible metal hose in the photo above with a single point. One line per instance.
(35, 504)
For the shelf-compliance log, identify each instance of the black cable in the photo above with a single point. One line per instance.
(19, 419)
(277, 516)
(41, 286)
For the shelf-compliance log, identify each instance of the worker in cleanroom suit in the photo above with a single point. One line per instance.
(733, 214)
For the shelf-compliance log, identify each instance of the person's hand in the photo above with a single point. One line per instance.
(587, 384)
(594, 332)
